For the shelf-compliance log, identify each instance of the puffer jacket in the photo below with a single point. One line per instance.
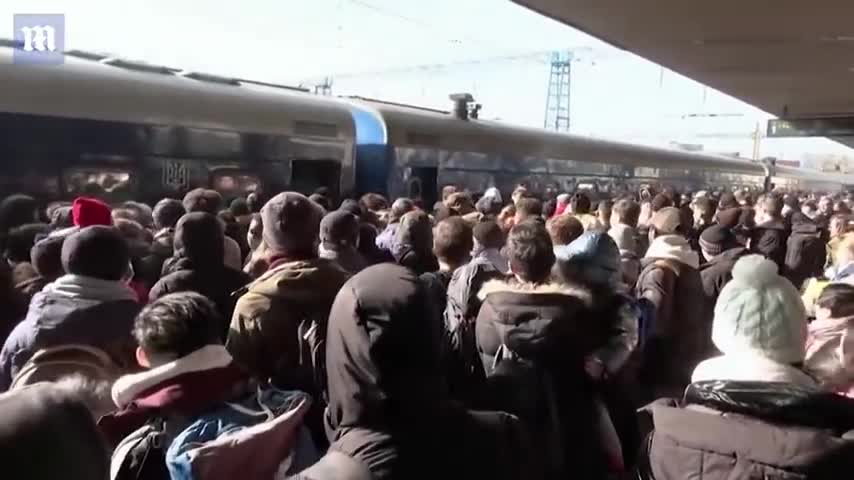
(747, 430)
(265, 328)
(717, 272)
(551, 326)
(678, 337)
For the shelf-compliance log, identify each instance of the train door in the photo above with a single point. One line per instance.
(422, 184)
(309, 175)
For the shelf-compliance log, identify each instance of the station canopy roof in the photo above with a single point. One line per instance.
(789, 58)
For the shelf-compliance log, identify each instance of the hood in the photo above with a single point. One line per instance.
(806, 228)
(382, 351)
(298, 280)
(672, 247)
(593, 258)
(415, 232)
(534, 319)
(199, 238)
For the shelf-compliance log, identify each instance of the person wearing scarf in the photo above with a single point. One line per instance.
(90, 305)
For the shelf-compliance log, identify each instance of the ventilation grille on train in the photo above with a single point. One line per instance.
(316, 129)
(425, 139)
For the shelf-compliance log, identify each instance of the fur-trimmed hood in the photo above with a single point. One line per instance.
(534, 320)
(514, 286)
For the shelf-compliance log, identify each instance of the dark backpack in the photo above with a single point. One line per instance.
(142, 454)
(526, 389)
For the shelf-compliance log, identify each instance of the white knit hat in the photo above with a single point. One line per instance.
(760, 312)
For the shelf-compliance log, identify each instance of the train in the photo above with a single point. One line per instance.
(121, 129)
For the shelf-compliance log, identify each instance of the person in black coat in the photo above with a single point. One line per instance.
(413, 246)
(389, 415)
(769, 237)
(806, 250)
(197, 264)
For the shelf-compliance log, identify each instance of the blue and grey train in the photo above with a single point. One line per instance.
(121, 129)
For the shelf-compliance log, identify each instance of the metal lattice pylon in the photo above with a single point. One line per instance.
(559, 93)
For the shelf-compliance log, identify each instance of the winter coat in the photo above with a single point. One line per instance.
(61, 315)
(830, 353)
(48, 433)
(417, 261)
(389, 414)
(769, 239)
(717, 272)
(805, 251)
(274, 312)
(670, 281)
(460, 308)
(746, 430)
(213, 280)
(551, 326)
(151, 266)
(197, 265)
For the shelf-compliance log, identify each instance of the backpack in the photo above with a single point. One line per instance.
(524, 388)
(54, 363)
(218, 443)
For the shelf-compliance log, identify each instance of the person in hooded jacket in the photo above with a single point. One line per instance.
(413, 246)
(592, 262)
(339, 238)
(488, 242)
(389, 414)
(753, 412)
(671, 282)
(197, 266)
(209, 201)
(771, 233)
(279, 323)
(90, 305)
(166, 214)
(531, 320)
(805, 251)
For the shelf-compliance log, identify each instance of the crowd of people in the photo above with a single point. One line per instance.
(656, 336)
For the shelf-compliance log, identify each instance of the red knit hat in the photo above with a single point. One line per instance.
(86, 212)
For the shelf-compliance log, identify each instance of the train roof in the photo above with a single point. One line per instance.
(435, 128)
(99, 87)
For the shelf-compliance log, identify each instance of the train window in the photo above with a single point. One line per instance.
(111, 184)
(208, 143)
(38, 184)
(309, 175)
(233, 183)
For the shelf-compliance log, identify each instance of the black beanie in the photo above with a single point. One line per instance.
(716, 239)
(46, 257)
(97, 251)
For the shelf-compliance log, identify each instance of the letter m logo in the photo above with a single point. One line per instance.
(40, 38)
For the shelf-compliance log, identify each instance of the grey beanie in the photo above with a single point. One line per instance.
(291, 223)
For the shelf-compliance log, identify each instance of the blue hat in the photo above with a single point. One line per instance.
(595, 256)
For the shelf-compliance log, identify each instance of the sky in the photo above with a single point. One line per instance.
(418, 52)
